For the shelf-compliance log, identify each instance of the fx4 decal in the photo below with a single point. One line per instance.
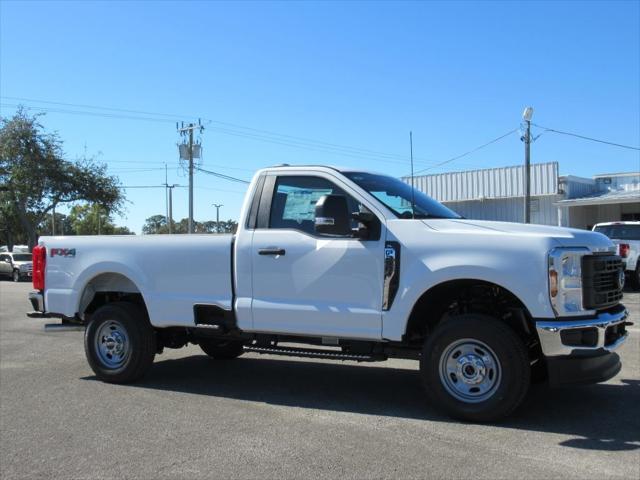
(63, 252)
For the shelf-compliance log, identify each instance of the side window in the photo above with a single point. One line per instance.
(294, 202)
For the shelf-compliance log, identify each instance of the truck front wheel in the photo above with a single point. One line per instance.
(221, 350)
(475, 368)
(119, 342)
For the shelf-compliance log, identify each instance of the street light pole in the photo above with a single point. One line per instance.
(217, 205)
(526, 116)
(170, 216)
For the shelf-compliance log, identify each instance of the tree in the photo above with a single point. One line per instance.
(155, 224)
(63, 225)
(11, 232)
(35, 177)
(158, 224)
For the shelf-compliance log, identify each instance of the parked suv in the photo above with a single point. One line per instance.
(626, 237)
(16, 265)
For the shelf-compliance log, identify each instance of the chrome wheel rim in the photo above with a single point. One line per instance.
(470, 370)
(112, 344)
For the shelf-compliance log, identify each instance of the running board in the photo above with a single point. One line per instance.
(63, 327)
(312, 353)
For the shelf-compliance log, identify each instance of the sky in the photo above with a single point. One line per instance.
(336, 83)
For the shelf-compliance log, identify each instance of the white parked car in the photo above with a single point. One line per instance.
(357, 263)
(16, 265)
(626, 237)
(15, 249)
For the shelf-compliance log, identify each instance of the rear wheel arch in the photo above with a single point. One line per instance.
(108, 287)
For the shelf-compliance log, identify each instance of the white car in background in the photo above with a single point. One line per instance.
(16, 265)
(626, 237)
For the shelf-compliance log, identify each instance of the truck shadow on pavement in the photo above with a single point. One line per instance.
(602, 417)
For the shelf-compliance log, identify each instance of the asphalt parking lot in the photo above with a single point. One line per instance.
(276, 417)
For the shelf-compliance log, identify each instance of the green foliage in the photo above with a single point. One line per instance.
(34, 176)
(63, 225)
(90, 219)
(155, 224)
(158, 224)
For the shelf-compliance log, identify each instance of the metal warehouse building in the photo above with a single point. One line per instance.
(570, 201)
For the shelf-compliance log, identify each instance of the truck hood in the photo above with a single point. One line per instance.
(564, 237)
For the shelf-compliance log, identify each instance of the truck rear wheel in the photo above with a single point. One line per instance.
(119, 342)
(475, 368)
(221, 350)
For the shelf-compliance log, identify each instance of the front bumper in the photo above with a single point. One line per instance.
(582, 351)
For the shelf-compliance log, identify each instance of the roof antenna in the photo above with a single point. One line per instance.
(413, 197)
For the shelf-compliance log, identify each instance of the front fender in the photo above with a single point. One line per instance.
(525, 279)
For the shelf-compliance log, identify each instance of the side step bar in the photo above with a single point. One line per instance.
(312, 353)
(63, 327)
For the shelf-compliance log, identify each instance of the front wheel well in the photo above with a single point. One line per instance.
(457, 297)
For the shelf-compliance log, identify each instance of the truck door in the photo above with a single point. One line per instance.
(305, 283)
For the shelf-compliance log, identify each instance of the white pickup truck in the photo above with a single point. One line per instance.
(626, 238)
(356, 267)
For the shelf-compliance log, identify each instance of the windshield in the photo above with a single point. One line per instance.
(620, 232)
(396, 196)
(21, 257)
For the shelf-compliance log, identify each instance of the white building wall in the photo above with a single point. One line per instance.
(587, 216)
(503, 182)
(544, 212)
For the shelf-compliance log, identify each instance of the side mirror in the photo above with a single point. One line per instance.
(332, 216)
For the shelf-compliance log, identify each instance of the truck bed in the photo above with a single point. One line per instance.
(172, 272)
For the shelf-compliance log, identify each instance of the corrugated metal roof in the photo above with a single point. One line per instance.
(615, 196)
(488, 183)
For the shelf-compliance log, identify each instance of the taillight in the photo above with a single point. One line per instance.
(39, 255)
(624, 250)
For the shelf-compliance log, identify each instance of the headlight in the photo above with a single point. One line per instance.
(565, 281)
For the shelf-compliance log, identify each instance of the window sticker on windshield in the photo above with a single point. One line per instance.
(301, 204)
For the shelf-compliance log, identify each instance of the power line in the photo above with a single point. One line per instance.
(470, 151)
(95, 114)
(124, 187)
(261, 135)
(221, 175)
(586, 138)
(173, 117)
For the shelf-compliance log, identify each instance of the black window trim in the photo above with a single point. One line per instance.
(255, 204)
(266, 199)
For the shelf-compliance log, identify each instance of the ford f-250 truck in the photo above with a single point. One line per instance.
(355, 266)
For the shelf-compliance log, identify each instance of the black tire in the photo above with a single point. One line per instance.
(636, 276)
(511, 370)
(221, 350)
(15, 275)
(130, 321)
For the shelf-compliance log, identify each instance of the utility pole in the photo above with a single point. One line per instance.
(526, 116)
(170, 215)
(166, 194)
(217, 205)
(184, 130)
(53, 220)
(168, 189)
